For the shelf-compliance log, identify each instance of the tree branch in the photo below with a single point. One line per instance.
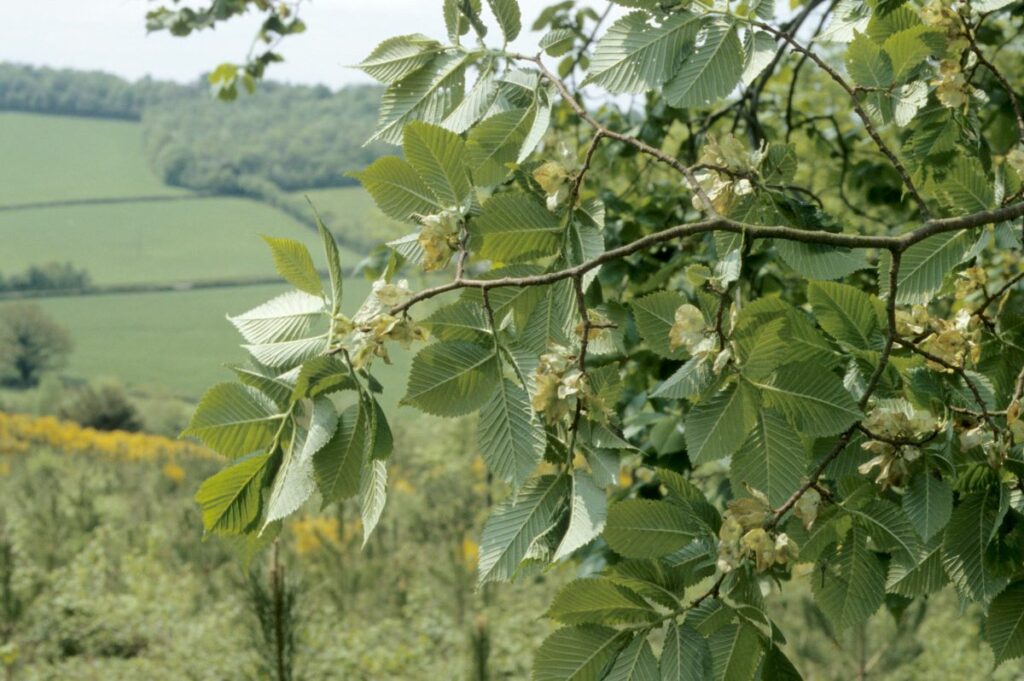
(724, 224)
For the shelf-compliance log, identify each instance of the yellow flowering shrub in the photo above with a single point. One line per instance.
(174, 472)
(312, 532)
(22, 433)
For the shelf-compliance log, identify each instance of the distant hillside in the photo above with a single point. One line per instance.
(283, 138)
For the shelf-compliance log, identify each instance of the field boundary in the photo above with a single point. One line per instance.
(66, 203)
(119, 289)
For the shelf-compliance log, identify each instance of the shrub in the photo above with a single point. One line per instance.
(30, 344)
(104, 407)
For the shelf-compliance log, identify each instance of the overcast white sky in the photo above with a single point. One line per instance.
(110, 35)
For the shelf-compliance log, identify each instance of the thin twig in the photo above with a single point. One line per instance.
(961, 373)
(858, 108)
(980, 312)
(984, 61)
(844, 439)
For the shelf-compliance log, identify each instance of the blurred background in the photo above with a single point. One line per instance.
(131, 205)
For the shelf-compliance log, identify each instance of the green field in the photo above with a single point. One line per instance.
(127, 243)
(62, 158)
(177, 341)
(350, 212)
(172, 342)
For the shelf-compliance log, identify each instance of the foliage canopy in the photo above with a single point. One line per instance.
(785, 294)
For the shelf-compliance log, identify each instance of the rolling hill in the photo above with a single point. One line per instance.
(82, 192)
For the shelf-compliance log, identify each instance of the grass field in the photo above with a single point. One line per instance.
(172, 342)
(350, 211)
(61, 158)
(178, 341)
(126, 243)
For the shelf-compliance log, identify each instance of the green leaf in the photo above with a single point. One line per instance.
(965, 187)
(777, 667)
(906, 49)
(460, 16)
(452, 378)
(588, 512)
(333, 265)
(584, 243)
(577, 653)
(397, 189)
(710, 71)
(735, 652)
(928, 503)
(717, 427)
(557, 42)
(845, 313)
(284, 318)
(635, 663)
(383, 439)
(460, 321)
(515, 226)
(655, 580)
(497, 142)
(509, 17)
(338, 464)
(397, 57)
(295, 264)
(273, 387)
(1004, 627)
(815, 401)
(868, 64)
(322, 375)
(515, 523)
(759, 48)
(474, 107)
(890, 529)
(853, 592)
(933, 136)
(819, 261)
(230, 500)
(294, 484)
(511, 437)
(764, 349)
(965, 545)
(373, 494)
(685, 655)
(688, 381)
(425, 94)
(285, 355)
(773, 460)
(925, 576)
(439, 157)
(551, 321)
(633, 56)
(924, 267)
(655, 315)
(597, 600)
(641, 528)
(234, 420)
(806, 343)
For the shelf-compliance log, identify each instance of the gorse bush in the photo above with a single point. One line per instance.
(785, 295)
(103, 574)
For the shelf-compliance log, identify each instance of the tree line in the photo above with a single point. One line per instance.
(283, 138)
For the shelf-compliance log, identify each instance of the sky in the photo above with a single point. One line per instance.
(110, 35)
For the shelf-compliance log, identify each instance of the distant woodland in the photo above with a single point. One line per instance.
(280, 139)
